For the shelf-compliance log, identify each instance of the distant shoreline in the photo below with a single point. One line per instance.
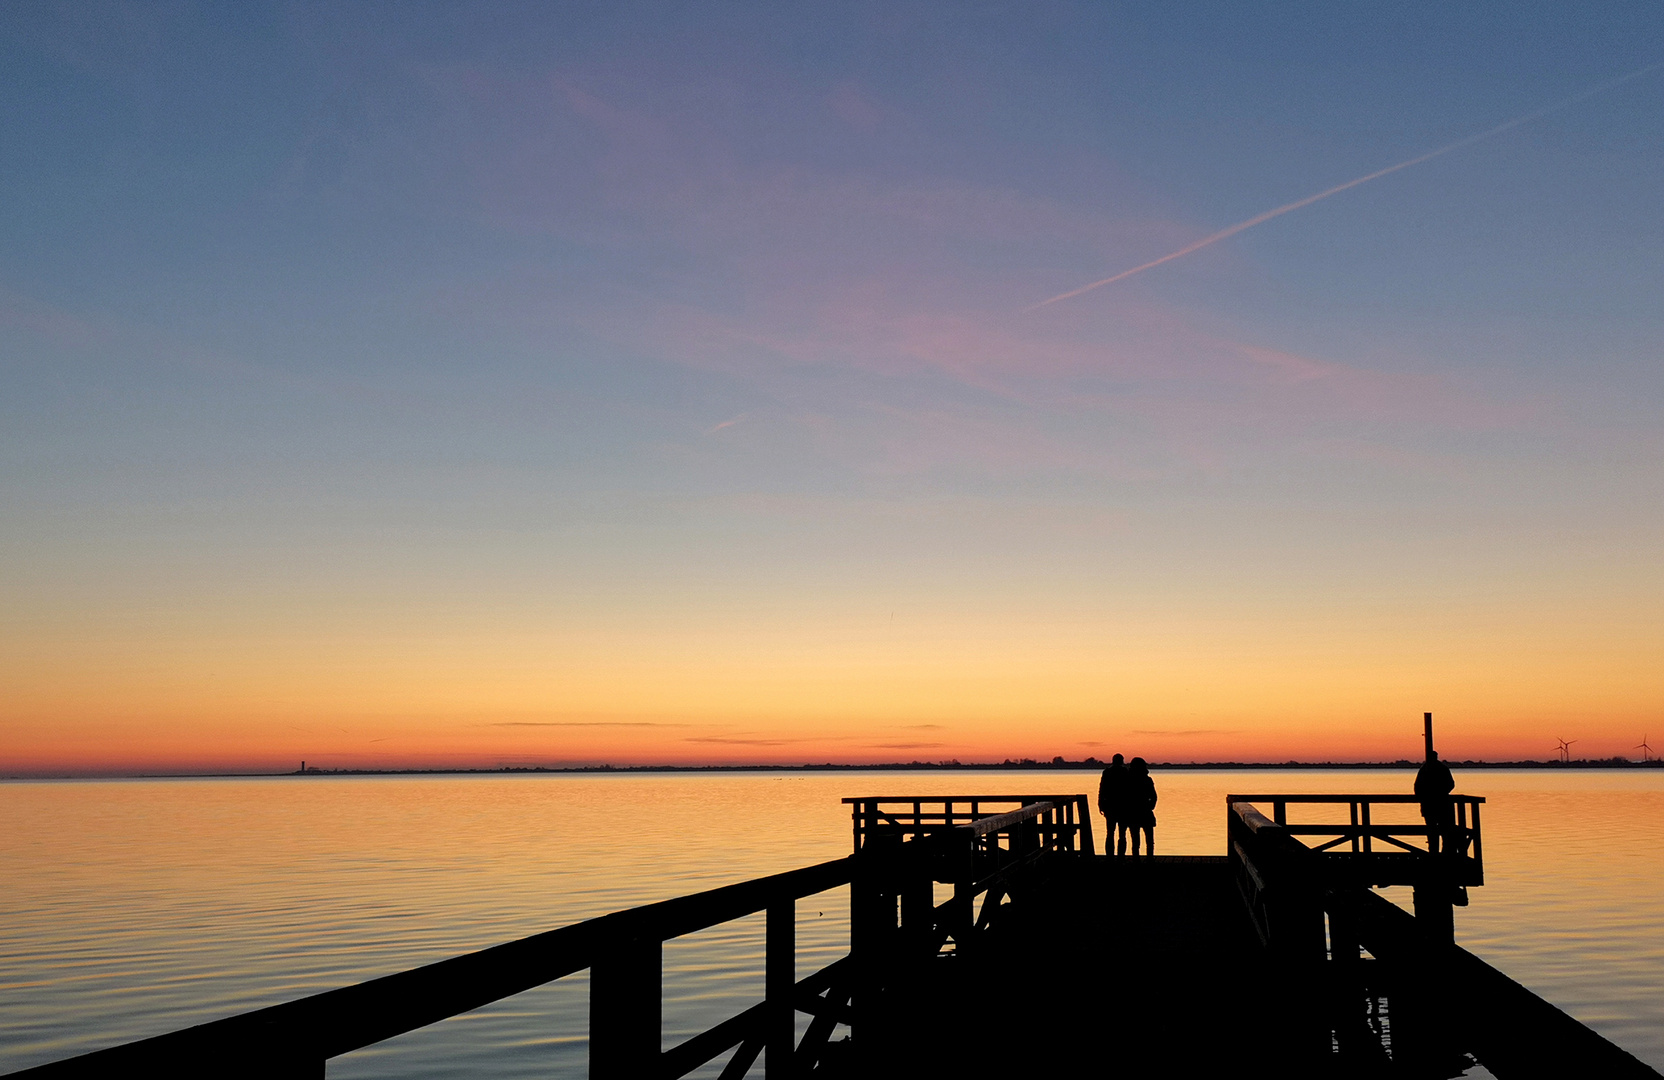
(1026, 765)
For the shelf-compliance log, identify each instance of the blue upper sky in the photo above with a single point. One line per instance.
(651, 305)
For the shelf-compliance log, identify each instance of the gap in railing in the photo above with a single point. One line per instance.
(822, 930)
(714, 973)
(710, 975)
(559, 1011)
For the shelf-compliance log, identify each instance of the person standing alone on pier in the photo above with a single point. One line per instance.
(1114, 790)
(1141, 806)
(1433, 787)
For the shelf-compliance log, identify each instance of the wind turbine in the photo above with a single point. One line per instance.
(1646, 751)
(1565, 750)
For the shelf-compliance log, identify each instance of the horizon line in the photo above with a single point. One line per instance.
(1026, 764)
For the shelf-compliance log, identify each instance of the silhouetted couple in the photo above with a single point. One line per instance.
(1127, 797)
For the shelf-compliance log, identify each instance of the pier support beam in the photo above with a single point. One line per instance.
(1435, 912)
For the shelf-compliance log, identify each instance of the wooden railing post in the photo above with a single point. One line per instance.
(1083, 809)
(625, 1010)
(1476, 852)
(872, 932)
(779, 980)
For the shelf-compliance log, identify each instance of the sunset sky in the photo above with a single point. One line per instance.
(515, 384)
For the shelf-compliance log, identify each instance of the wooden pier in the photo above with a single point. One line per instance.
(987, 938)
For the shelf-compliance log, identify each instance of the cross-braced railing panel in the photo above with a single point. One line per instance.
(1063, 822)
(1364, 844)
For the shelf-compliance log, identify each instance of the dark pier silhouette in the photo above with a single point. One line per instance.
(989, 939)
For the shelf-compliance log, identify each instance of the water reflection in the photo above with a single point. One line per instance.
(134, 907)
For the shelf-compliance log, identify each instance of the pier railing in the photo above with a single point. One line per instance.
(623, 951)
(1060, 822)
(1367, 849)
(976, 844)
(980, 844)
(1284, 880)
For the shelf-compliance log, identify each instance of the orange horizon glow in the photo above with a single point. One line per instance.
(831, 686)
(1166, 683)
(839, 693)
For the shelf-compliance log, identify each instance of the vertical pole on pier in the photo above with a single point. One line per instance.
(779, 981)
(1433, 895)
(1436, 923)
(625, 1010)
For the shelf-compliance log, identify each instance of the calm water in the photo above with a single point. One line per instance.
(134, 907)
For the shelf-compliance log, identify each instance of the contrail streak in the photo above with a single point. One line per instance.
(1258, 219)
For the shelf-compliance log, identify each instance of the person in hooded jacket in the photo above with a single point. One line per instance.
(1142, 806)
